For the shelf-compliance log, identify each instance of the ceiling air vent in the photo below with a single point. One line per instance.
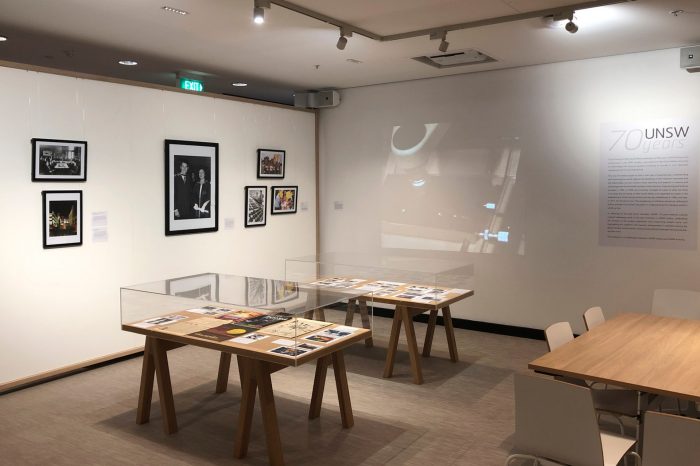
(456, 58)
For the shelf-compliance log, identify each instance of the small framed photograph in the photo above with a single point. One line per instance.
(284, 291)
(59, 160)
(255, 206)
(256, 291)
(271, 163)
(284, 199)
(204, 286)
(191, 187)
(63, 218)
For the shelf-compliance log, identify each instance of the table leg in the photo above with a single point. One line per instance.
(393, 342)
(148, 371)
(450, 332)
(412, 346)
(165, 389)
(320, 315)
(427, 346)
(222, 378)
(319, 386)
(269, 414)
(364, 315)
(341, 384)
(350, 314)
(245, 418)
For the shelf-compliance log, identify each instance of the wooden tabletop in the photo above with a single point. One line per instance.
(643, 352)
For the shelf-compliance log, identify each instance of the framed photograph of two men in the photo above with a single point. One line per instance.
(191, 187)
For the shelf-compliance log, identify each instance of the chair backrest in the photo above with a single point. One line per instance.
(593, 317)
(558, 334)
(556, 420)
(684, 304)
(671, 440)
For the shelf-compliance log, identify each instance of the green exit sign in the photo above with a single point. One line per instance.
(191, 85)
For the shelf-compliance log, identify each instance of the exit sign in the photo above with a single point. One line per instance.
(191, 85)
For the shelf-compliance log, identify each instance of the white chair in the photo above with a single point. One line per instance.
(593, 317)
(558, 334)
(556, 422)
(671, 440)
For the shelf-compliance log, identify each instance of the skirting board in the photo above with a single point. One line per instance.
(42, 377)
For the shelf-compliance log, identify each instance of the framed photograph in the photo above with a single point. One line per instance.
(59, 160)
(271, 163)
(255, 206)
(204, 286)
(284, 291)
(63, 218)
(284, 199)
(256, 291)
(191, 187)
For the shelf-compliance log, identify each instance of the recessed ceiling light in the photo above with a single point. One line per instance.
(128, 62)
(3, 38)
(175, 10)
(239, 84)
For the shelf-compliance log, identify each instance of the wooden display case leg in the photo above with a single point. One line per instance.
(148, 371)
(350, 314)
(341, 384)
(224, 367)
(320, 315)
(412, 346)
(450, 332)
(319, 386)
(364, 315)
(393, 341)
(245, 417)
(427, 346)
(165, 389)
(269, 414)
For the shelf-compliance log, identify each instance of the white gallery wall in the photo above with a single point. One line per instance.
(61, 306)
(413, 167)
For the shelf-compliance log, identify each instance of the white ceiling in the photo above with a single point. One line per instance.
(219, 39)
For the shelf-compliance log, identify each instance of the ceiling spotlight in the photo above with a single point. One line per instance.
(259, 11)
(343, 39)
(171, 9)
(3, 38)
(571, 27)
(443, 43)
(239, 84)
(128, 62)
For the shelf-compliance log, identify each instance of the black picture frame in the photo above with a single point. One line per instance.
(202, 286)
(66, 205)
(272, 169)
(273, 194)
(255, 212)
(186, 193)
(57, 160)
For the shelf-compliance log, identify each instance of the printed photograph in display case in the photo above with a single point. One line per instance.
(271, 163)
(284, 291)
(191, 187)
(59, 160)
(284, 199)
(255, 206)
(204, 286)
(256, 291)
(63, 218)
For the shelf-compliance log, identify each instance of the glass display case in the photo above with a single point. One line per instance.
(277, 320)
(416, 281)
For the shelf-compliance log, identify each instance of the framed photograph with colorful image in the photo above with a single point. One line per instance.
(284, 291)
(59, 160)
(255, 206)
(271, 163)
(284, 199)
(63, 218)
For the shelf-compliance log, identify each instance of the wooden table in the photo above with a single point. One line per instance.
(255, 364)
(643, 352)
(404, 312)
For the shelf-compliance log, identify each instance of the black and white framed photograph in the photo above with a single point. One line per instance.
(191, 187)
(255, 206)
(204, 286)
(284, 291)
(271, 163)
(63, 218)
(256, 291)
(284, 199)
(59, 160)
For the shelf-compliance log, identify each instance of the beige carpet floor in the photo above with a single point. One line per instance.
(461, 415)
